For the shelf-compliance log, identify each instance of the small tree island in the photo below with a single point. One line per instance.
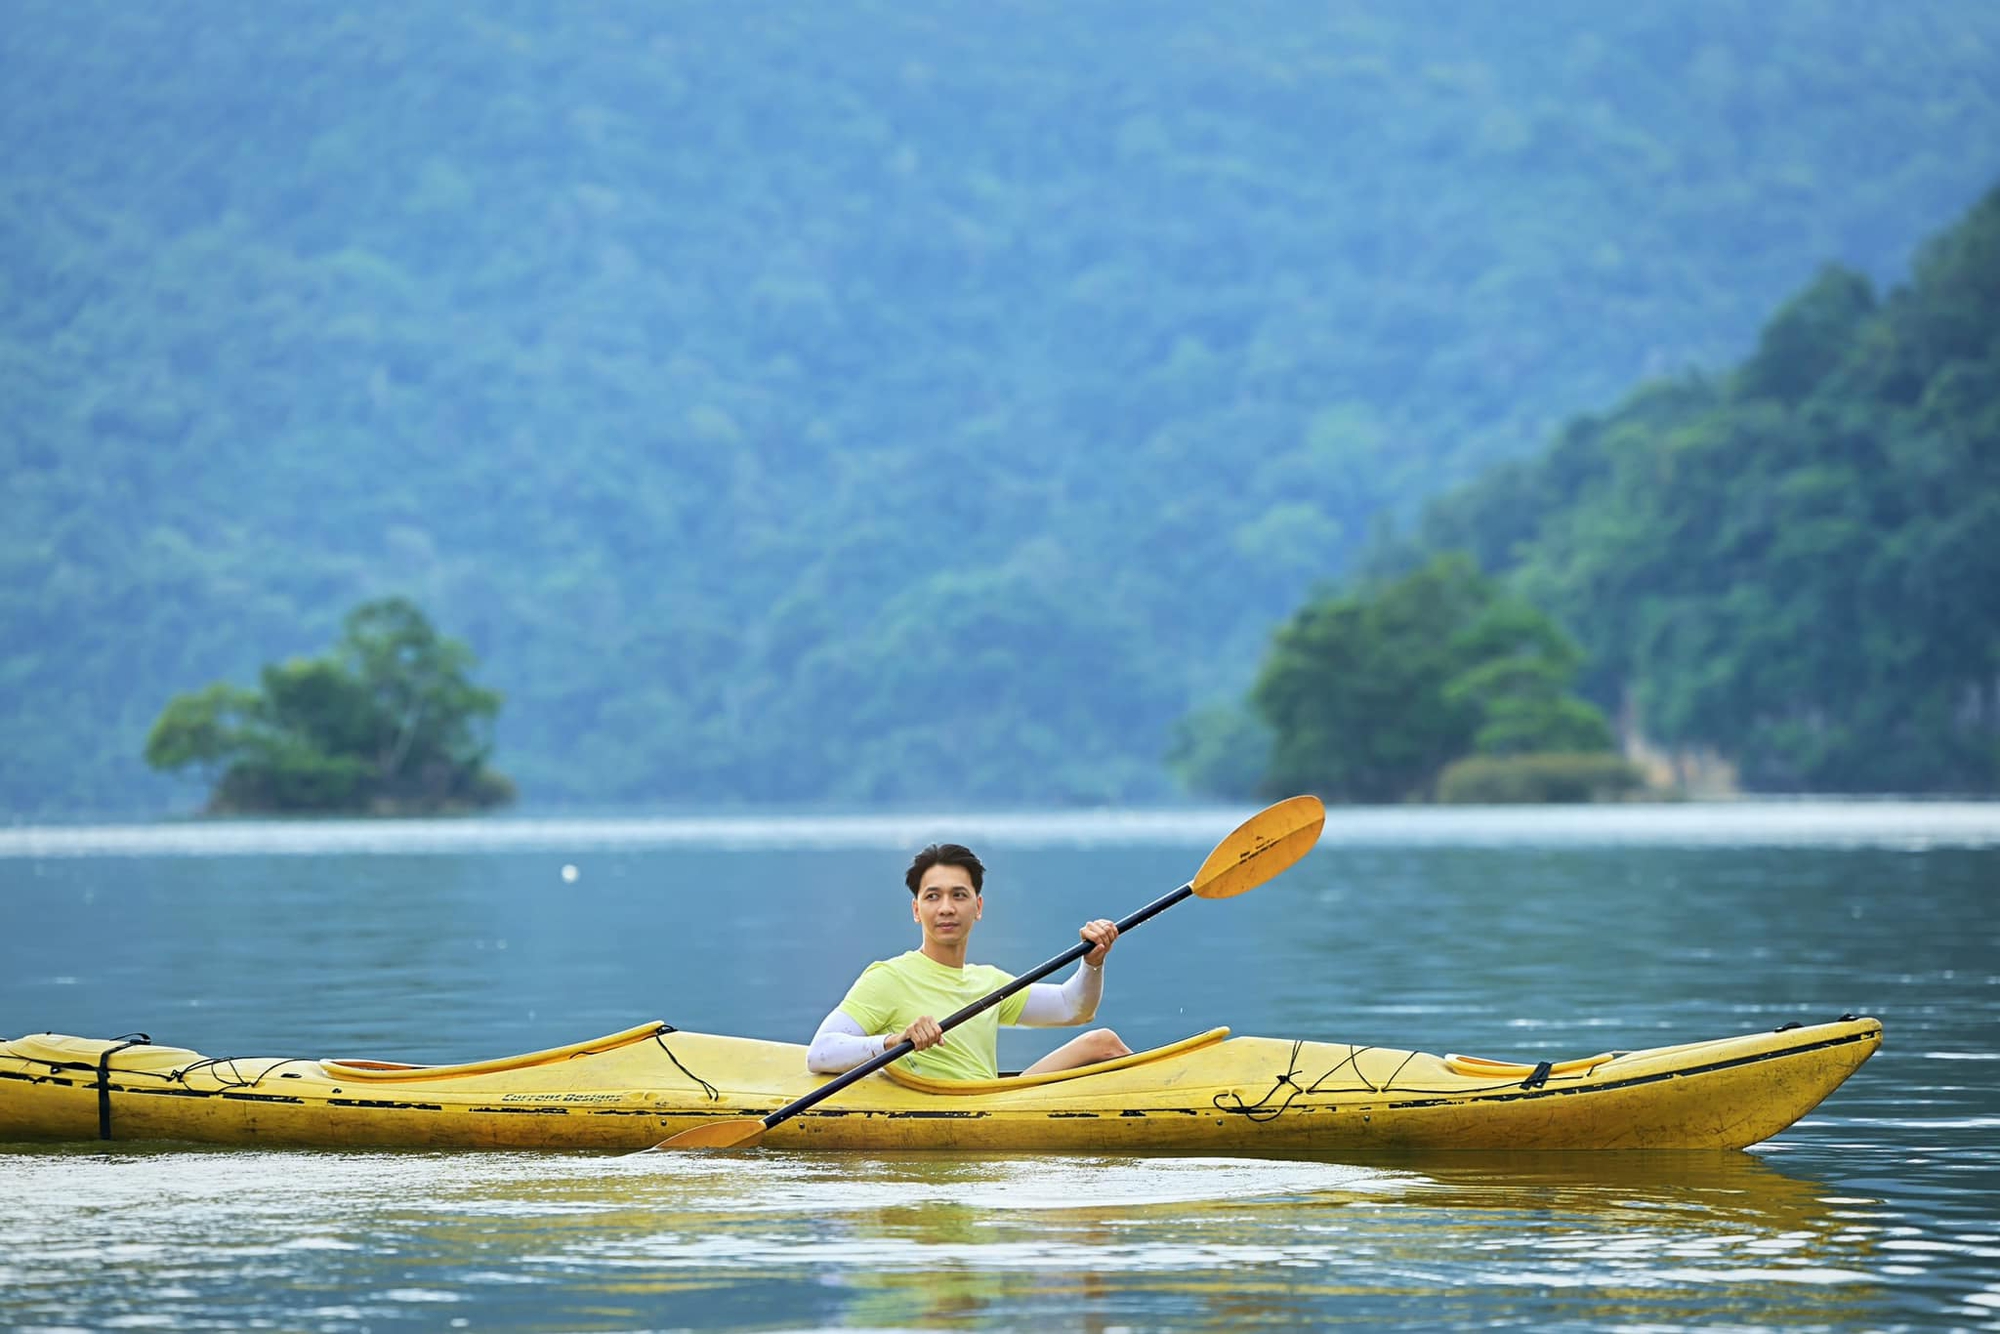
(387, 723)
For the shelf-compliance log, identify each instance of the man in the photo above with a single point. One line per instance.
(897, 1000)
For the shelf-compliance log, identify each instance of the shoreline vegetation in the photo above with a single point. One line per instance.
(1783, 578)
(1437, 685)
(1785, 574)
(706, 377)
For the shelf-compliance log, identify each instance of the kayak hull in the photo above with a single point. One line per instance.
(1210, 1094)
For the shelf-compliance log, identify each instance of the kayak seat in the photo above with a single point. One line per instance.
(390, 1070)
(901, 1076)
(1478, 1067)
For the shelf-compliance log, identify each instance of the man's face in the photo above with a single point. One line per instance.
(946, 905)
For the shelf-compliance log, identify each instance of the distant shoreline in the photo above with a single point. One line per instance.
(1804, 822)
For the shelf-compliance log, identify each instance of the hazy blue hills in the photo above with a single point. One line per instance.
(861, 403)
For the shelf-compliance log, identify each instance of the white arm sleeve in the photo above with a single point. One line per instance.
(841, 1045)
(1074, 1002)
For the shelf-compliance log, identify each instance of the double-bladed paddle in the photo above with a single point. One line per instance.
(1259, 849)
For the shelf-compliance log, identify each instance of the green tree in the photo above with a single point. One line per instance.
(423, 722)
(1808, 338)
(1522, 671)
(1369, 694)
(390, 721)
(203, 729)
(1353, 687)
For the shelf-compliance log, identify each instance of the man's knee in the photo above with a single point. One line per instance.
(1105, 1045)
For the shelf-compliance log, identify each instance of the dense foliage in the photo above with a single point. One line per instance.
(1369, 695)
(873, 402)
(1539, 779)
(1796, 563)
(389, 722)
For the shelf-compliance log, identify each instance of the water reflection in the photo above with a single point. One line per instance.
(577, 1242)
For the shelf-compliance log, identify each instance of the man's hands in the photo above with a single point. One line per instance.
(922, 1034)
(1100, 933)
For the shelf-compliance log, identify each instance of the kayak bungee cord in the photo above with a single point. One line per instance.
(1535, 1083)
(104, 1077)
(1259, 1111)
(1256, 1111)
(229, 1077)
(1262, 1110)
(706, 1087)
(1353, 1058)
(126, 1041)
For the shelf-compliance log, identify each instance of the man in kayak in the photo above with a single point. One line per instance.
(898, 999)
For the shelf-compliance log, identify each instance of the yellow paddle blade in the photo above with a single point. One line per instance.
(1261, 847)
(716, 1135)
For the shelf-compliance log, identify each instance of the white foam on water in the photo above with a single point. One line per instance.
(422, 1295)
(803, 1182)
(1815, 1275)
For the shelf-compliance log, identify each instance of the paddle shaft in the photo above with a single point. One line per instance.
(905, 1047)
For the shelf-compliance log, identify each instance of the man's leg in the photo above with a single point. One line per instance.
(1099, 1044)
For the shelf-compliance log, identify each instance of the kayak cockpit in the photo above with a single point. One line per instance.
(1007, 1082)
(390, 1070)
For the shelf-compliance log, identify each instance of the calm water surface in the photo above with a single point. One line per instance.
(1516, 934)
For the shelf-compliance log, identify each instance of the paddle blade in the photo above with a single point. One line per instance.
(1261, 847)
(716, 1135)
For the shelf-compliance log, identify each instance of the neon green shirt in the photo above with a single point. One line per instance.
(892, 994)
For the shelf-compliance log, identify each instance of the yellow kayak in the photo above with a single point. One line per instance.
(1210, 1093)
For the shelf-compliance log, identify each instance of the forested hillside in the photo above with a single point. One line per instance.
(1795, 563)
(874, 402)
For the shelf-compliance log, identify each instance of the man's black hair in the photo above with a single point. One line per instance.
(946, 854)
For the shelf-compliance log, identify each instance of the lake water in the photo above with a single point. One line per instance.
(1523, 934)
